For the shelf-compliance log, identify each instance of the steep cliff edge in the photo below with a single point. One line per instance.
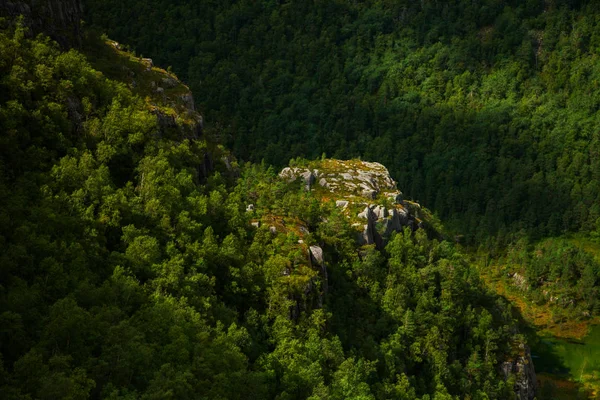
(364, 193)
(59, 19)
(164, 95)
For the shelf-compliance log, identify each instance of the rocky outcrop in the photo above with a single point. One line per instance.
(522, 368)
(308, 177)
(357, 183)
(381, 223)
(359, 178)
(59, 19)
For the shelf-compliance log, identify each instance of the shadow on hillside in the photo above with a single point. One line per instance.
(555, 379)
(360, 322)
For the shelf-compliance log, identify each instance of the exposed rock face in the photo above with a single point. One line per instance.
(291, 174)
(360, 183)
(317, 261)
(361, 178)
(341, 203)
(59, 19)
(522, 367)
(381, 224)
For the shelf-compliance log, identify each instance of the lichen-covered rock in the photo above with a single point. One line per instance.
(318, 260)
(308, 177)
(291, 174)
(380, 212)
(316, 254)
(341, 203)
(360, 183)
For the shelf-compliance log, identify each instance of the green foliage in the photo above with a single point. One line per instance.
(556, 272)
(486, 112)
(127, 273)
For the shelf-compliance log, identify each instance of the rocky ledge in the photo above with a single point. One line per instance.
(365, 192)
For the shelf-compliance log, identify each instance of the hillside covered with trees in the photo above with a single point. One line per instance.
(151, 248)
(485, 111)
(130, 267)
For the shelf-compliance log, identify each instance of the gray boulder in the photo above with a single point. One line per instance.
(341, 203)
(316, 255)
(308, 177)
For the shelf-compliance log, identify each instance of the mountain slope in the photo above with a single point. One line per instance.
(481, 110)
(130, 266)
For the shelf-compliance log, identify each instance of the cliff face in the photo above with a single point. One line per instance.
(521, 367)
(59, 19)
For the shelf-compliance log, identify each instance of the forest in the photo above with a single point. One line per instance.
(127, 273)
(484, 111)
(149, 247)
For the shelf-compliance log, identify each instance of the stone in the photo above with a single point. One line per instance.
(317, 260)
(250, 208)
(366, 236)
(369, 234)
(169, 82)
(397, 198)
(341, 203)
(370, 194)
(289, 174)
(395, 220)
(521, 282)
(522, 367)
(148, 62)
(323, 182)
(273, 230)
(316, 254)
(255, 224)
(403, 216)
(367, 214)
(188, 101)
(380, 212)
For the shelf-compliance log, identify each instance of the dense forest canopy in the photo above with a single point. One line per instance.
(139, 258)
(128, 272)
(485, 111)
